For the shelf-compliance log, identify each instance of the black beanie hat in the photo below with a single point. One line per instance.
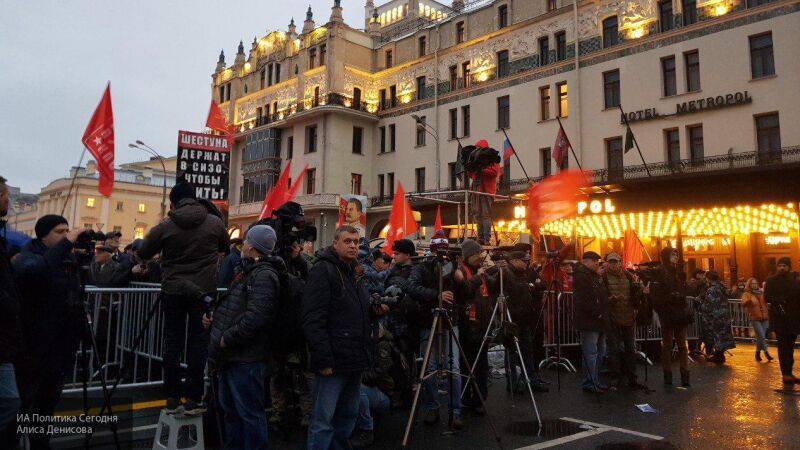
(45, 224)
(404, 246)
(785, 260)
(180, 191)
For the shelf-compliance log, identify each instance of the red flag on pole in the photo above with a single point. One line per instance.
(99, 140)
(561, 147)
(401, 220)
(276, 196)
(217, 121)
(632, 250)
(554, 198)
(292, 193)
(437, 223)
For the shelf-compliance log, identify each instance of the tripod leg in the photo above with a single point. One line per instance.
(421, 379)
(103, 382)
(480, 349)
(525, 373)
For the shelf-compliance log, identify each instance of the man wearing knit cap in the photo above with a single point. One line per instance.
(190, 241)
(46, 275)
(782, 293)
(484, 181)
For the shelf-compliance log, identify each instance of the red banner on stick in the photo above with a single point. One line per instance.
(401, 220)
(99, 140)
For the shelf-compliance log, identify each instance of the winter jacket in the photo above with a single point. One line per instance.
(669, 298)
(398, 275)
(755, 306)
(423, 287)
(591, 300)
(623, 306)
(782, 293)
(474, 293)
(488, 181)
(228, 268)
(50, 307)
(244, 316)
(380, 374)
(335, 318)
(524, 303)
(10, 332)
(189, 240)
(372, 280)
(110, 274)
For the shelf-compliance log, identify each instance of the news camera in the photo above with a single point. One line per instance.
(391, 297)
(290, 226)
(476, 159)
(85, 244)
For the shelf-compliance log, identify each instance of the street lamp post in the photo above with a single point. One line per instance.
(146, 148)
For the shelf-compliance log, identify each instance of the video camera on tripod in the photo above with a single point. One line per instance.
(85, 244)
(475, 159)
(391, 297)
(290, 226)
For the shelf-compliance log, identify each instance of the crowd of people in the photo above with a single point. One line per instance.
(330, 340)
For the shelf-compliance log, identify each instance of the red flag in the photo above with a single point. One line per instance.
(632, 250)
(401, 220)
(437, 223)
(277, 195)
(217, 121)
(292, 193)
(554, 198)
(508, 150)
(99, 140)
(561, 147)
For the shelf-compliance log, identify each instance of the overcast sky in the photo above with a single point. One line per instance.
(159, 55)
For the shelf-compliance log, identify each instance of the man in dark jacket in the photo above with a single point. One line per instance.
(336, 324)
(591, 318)
(782, 293)
(46, 274)
(190, 241)
(10, 333)
(230, 264)
(239, 340)
(669, 301)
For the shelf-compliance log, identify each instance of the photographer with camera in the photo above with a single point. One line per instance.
(374, 270)
(484, 178)
(782, 294)
(48, 283)
(669, 301)
(190, 241)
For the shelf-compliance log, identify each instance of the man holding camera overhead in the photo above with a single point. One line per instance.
(485, 180)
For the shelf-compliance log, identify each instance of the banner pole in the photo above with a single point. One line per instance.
(72, 183)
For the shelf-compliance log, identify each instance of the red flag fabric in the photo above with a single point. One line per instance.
(217, 121)
(277, 195)
(561, 147)
(401, 220)
(98, 138)
(295, 188)
(554, 198)
(508, 150)
(632, 250)
(437, 223)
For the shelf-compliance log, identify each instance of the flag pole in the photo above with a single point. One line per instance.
(628, 127)
(72, 183)
(577, 161)
(514, 151)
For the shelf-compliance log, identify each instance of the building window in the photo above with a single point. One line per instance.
(503, 69)
(138, 232)
(460, 35)
(420, 88)
(610, 32)
(563, 104)
(355, 183)
(762, 61)
(390, 182)
(502, 16)
(262, 78)
(269, 74)
(544, 102)
(382, 98)
(561, 45)
(544, 51)
(392, 138)
(382, 134)
(142, 208)
(245, 88)
(453, 77)
(356, 98)
(381, 186)
(312, 57)
(453, 123)
(119, 206)
(311, 180)
(322, 51)
(768, 134)
(452, 176)
(665, 15)
(314, 101)
(465, 73)
(695, 135)
(419, 177)
(611, 89)
(260, 165)
(290, 147)
(358, 136)
(465, 119)
(90, 202)
(692, 61)
(552, 5)
(689, 9)
(421, 46)
(614, 158)
(311, 139)
(393, 95)
(668, 74)
(544, 156)
(503, 112)
(388, 58)
(673, 142)
(277, 73)
(420, 129)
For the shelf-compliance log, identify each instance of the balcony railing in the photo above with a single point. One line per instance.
(333, 99)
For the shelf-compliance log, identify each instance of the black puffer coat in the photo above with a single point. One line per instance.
(782, 293)
(336, 318)
(244, 316)
(668, 293)
(591, 300)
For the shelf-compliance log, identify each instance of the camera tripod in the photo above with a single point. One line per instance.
(441, 319)
(505, 321)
